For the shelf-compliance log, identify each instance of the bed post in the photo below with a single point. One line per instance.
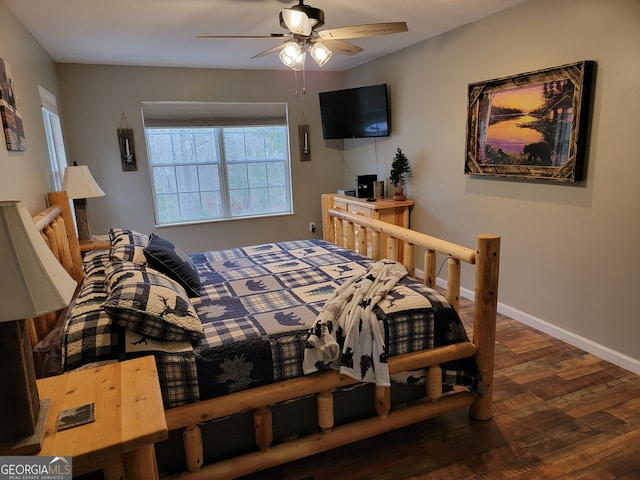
(328, 233)
(484, 318)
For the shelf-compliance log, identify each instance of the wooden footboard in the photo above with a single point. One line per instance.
(363, 235)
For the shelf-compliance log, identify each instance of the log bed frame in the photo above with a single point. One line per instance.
(363, 235)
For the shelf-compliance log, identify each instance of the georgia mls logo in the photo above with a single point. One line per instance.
(60, 466)
(35, 468)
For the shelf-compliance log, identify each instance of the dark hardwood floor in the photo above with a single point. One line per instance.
(559, 413)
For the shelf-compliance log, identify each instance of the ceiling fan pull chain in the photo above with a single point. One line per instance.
(304, 81)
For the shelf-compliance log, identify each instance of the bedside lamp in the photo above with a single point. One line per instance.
(80, 185)
(32, 283)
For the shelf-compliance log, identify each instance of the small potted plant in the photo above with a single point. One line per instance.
(399, 169)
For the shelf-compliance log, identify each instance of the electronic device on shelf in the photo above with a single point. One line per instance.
(365, 186)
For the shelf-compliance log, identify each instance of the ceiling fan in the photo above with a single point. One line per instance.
(303, 22)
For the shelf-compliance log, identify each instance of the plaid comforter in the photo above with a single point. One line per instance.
(257, 306)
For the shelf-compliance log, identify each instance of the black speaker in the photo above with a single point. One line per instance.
(366, 186)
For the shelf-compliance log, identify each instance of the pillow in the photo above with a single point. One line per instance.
(170, 260)
(95, 261)
(150, 303)
(127, 245)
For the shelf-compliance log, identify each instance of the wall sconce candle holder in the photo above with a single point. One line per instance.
(127, 150)
(125, 143)
(305, 143)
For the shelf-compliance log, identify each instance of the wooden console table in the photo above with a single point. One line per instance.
(129, 418)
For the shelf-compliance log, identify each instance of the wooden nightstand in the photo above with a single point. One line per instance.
(98, 242)
(129, 418)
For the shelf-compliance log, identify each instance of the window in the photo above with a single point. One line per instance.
(214, 161)
(55, 144)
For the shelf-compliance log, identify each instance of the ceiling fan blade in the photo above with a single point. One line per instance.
(343, 48)
(268, 51)
(273, 35)
(296, 21)
(361, 31)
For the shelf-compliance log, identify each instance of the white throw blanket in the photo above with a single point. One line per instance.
(349, 313)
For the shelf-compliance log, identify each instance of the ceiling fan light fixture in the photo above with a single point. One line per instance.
(320, 53)
(300, 59)
(292, 55)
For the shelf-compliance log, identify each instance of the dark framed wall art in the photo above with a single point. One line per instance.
(11, 118)
(532, 125)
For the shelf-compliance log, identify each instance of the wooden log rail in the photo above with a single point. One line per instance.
(344, 226)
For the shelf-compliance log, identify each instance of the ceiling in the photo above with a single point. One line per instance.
(164, 32)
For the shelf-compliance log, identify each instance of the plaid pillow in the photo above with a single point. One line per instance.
(95, 261)
(150, 303)
(127, 245)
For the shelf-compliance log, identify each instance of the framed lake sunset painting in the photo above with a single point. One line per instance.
(531, 126)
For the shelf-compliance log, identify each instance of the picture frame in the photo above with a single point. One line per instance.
(531, 126)
(9, 110)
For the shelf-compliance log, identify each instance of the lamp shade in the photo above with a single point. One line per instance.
(32, 281)
(320, 53)
(292, 54)
(79, 183)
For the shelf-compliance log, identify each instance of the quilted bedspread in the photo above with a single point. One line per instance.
(257, 306)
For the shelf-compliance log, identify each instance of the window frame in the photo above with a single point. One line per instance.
(177, 116)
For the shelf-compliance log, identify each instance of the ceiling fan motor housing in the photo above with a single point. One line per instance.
(316, 16)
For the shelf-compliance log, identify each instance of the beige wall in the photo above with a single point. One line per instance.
(94, 98)
(568, 254)
(25, 175)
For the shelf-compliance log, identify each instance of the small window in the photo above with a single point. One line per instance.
(217, 161)
(55, 144)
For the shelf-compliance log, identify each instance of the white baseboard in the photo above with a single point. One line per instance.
(600, 351)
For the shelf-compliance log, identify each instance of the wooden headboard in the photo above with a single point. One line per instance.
(56, 226)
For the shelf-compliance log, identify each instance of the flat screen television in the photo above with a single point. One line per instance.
(355, 112)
